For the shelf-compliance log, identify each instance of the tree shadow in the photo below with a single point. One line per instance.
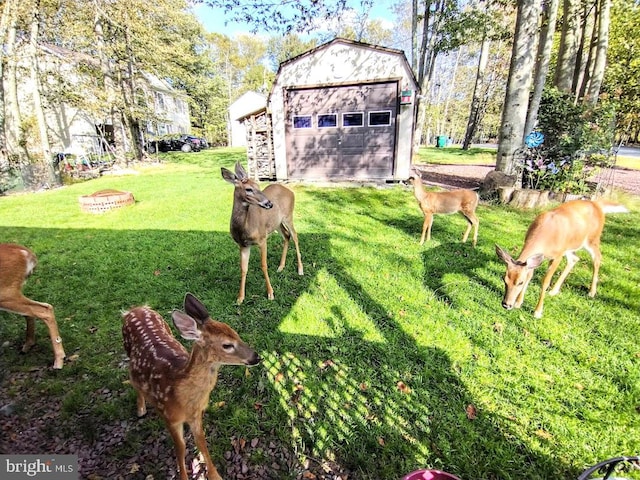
(368, 400)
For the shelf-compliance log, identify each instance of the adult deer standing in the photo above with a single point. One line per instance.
(16, 264)
(255, 215)
(553, 234)
(453, 201)
(177, 382)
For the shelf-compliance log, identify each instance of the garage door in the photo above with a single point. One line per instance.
(342, 132)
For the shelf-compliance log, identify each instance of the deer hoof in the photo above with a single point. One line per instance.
(537, 314)
(58, 363)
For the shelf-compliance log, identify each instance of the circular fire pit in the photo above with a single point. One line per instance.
(104, 200)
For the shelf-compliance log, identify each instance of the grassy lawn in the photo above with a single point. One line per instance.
(487, 156)
(385, 357)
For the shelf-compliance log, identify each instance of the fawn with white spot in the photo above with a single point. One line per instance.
(16, 264)
(255, 215)
(177, 382)
(453, 201)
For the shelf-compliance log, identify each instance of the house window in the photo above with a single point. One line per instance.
(353, 119)
(326, 120)
(302, 121)
(160, 101)
(379, 119)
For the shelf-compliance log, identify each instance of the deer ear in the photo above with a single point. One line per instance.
(186, 325)
(195, 308)
(535, 261)
(228, 175)
(503, 255)
(240, 172)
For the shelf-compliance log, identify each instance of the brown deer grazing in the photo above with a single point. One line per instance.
(463, 201)
(177, 382)
(553, 234)
(255, 215)
(16, 264)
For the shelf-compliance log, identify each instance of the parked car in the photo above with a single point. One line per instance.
(174, 142)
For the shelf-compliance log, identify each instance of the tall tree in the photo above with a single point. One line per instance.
(514, 114)
(603, 20)
(549, 15)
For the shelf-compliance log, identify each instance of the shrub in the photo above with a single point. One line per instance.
(577, 142)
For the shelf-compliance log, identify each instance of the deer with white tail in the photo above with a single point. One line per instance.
(453, 201)
(254, 216)
(177, 382)
(553, 234)
(16, 264)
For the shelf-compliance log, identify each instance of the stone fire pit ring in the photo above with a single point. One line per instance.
(105, 200)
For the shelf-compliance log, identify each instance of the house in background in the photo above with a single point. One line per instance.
(246, 104)
(74, 115)
(344, 110)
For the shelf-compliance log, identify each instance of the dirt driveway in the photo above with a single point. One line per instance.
(472, 176)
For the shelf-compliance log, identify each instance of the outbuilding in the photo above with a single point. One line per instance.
(342, 111)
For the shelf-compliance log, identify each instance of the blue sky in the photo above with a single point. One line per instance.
(214, 19)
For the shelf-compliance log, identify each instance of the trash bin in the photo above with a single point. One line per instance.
(441, 141)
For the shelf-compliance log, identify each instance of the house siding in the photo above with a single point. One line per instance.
(342, 63)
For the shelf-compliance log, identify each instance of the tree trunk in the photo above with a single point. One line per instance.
(16, 151)
(474, 114)
(568, 46)
(47, 156)
(601, 52)
(542, 62)
(587, 73)
(514, 111)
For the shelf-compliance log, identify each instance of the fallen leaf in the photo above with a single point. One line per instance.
(403, 387)
(279, 377)
(381, 441)
(135, 468)
(472, 413)
(363, 387)
(543, 434)
(220, 404)
(498, 327)
(156, 272)
(73, 358)
(327, 363)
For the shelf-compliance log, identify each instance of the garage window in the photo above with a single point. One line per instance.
(353, 119)
(302, 121)
(326, 120)
(380, 119)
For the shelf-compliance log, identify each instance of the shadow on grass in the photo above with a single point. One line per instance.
(379, 408)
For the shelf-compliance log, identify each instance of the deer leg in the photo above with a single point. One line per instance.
(177, 433)
(30, 339)
(596, 257)
(473, 222)
(30, 308)
(285, 247)
(520, 297)
(265, 270)
(294, 235)
(572, 259)
(545, 284)
(141, 404)
(201, 443)
(245, 253)
(426, 227)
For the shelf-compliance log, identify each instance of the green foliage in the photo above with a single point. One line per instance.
(577, 142)
(371, 359)
(622, 75)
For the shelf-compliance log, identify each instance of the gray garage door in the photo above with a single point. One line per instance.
(342, 132)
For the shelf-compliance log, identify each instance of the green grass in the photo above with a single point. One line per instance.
(487, 156)
(371, 359)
